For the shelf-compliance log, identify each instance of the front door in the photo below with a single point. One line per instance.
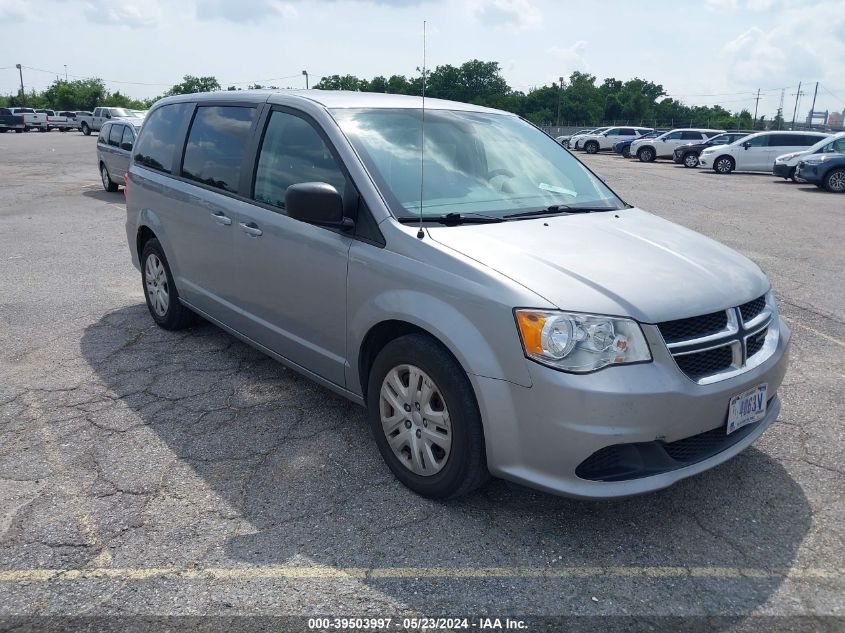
(292, 275)
(754, 155)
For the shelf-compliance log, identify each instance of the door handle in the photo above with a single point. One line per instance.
(221, 219)
(251, 229)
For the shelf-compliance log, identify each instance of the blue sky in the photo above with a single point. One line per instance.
(707, 51)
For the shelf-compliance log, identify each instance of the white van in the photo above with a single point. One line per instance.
(757, 152)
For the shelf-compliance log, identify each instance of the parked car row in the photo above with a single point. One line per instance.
(44, 120)
(802, 156)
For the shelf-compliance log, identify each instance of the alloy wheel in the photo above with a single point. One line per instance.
(836, 181)
(724, 166)
(155, 279)
(691, 160)
(104, 174)
(415, 420)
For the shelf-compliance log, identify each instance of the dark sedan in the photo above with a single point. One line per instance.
(824, 170)
(687, 155)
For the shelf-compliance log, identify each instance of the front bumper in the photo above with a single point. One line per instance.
(704, 161)
(677, 157)
(810, 173)
(538, 436)
(782, 170)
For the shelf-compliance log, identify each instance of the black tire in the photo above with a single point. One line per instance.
(62, 129)
(626, 152)
(20, 131)
(690, 160)
(44, 129)
(834, 180)
(724, 165)
(646, 154)
(591, 147)
(177, 316)
(3, 131)
(466, 466)
(85, 129)
(105, 177)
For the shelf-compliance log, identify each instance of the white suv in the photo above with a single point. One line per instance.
(757, 152)
(664, 146)
(575, 141)
(596, 142)
(786, 163)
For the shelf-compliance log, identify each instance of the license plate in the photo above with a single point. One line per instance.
(747, 407)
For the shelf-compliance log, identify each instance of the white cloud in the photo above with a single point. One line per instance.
(15, 11)
(722, 5)
(572, 57)
(133, 15)
(244, 10)
(803, 44)
(516, 15)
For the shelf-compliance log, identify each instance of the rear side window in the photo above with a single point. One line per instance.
(216, 144)
(690, 136)
(759, 141)
(292, 152)
(627, 131)
(127, 139)
(787, 140)
(156, 147)
(812, 140)
(104, 134)
(115, 135)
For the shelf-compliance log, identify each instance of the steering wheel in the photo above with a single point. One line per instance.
(500, 172)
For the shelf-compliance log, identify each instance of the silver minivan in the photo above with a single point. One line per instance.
(494, 305)
(114, 151)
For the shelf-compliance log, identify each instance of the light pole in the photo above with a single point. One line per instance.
(65, 73)
(305, 72)
(559, 95)
(23, 94)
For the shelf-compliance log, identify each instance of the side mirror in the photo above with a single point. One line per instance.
(126, 146)
(747, 144)
(316, 203)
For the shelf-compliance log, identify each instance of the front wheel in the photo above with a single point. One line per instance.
(723, 165)
(425, 419)
(85, 129)
(626, 152)
(690, 160)
(592, 147)
(646, 154)
(834, 181)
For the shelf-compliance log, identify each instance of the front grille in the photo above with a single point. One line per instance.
(711, 344)
(755, 342)
(752, 308)
(693, 327)
(705, 363)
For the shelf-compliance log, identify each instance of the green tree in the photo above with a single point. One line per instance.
(191, 84)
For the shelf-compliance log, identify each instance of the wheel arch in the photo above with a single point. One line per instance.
(720, 157)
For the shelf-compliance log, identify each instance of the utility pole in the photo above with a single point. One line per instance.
(65, 73)
(559, 95)
(305, 72)
(813, 107)
(23, 94)
(756, 103)
(780, 108)
(797, 99)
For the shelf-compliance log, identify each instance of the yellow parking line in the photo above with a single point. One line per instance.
(335, 573)
(814, 331)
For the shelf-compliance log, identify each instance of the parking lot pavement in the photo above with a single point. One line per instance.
(157, 473)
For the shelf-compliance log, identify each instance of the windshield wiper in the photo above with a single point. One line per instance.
(556, 209)
(453, 219)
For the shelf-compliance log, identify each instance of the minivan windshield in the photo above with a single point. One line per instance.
(479, 163)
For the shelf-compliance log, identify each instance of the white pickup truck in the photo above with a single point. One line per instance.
(93, 123)
(56, 120)
(32, 120)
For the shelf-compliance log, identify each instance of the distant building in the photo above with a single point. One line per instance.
(835, 119)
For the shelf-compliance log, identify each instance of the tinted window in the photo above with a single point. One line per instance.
(812, 140)
(156, 146)
(115, 135)
(673, 136)
(292, 152)
(5, 111)
(784, 140)
(759, 141)
(216, 145)
(691, 136)
(615, 131)
(104, 134)
(710, 134)
(837, 146)
(627, 131)
(127, 139)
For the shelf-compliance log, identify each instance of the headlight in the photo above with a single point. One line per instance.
(815, 161)
(580, 343)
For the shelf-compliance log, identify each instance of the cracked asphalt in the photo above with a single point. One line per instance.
(149, 473)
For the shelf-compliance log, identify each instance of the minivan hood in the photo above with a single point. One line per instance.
(622, 263)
